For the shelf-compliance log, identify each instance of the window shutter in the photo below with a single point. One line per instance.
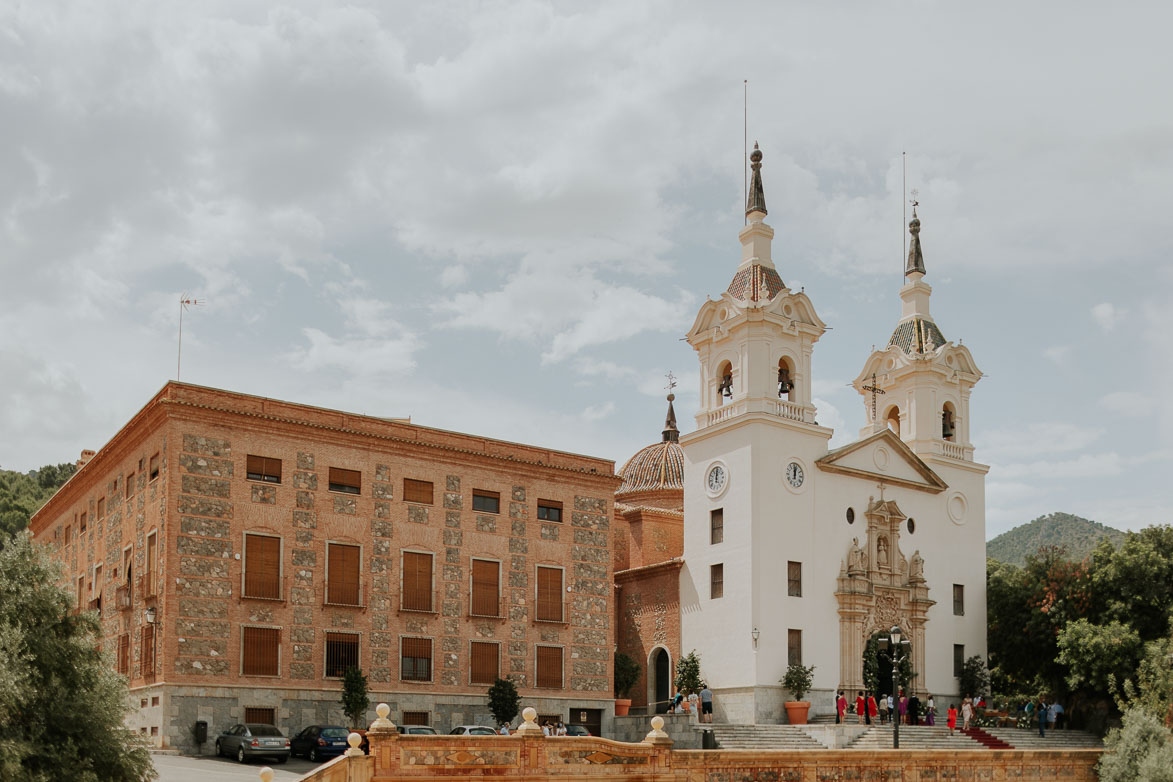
(261, 647)
(484, 662)
(417, 491)
(416, 662)
(348, 481)
(549, 666)
(147, 650)
(484, 587)
(262, 567)
(417, 581)
(341, 653)
(124, 654)
(549, 594)
(342, 562)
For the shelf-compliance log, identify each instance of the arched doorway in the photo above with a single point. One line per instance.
(877, 668)
(659, 680)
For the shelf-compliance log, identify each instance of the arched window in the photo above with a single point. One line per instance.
(724, 382)
(948, 422)
(785, 379)
(893, 419)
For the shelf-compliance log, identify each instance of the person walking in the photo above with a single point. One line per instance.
(902, 708)
(913, 710)
(861, 707)
(873, 710)
(706, 703)
(884, 709)
(931, 712)
(966, 712)
(1041, 711)
(951, 717)
(840, 707)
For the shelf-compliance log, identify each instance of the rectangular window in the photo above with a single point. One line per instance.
(794, 579)
(262, 567)
(124, 654)
(149, 567)
(101, 508)
(147, 650)
(484, 664)
(486, 501)
(81, 592)
(342, 574)
(549, 510)
(716, 525)
(345, 481)
(549, 672)
(129, 490)
(959, 600)
(154, 473)
(260, 651)
(485, 587)
(341, 653)
(262, 468)
(549, 607)
(716, 581)
(416, 718)
(260, 716)
(69, 534)
(82, 527)
(958, 659)
(794, 647)
(417, 581)
(96, 590)
(417, 491)
(416, 660)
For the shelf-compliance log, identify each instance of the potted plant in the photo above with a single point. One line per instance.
(627, 673)
(798, 680)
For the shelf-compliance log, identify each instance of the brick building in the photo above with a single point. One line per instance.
(649, 548)
(242, 552)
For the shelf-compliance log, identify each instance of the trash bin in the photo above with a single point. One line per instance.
(708, 740)
(201, 731)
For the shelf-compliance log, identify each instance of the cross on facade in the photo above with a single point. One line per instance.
(874, 390)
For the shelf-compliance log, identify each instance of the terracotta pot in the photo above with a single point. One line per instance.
(796, 711)
(621, 706)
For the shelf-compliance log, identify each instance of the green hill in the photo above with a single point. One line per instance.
(22, 493)
(1078, 535)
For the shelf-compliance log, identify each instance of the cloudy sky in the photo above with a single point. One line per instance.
(501, 217)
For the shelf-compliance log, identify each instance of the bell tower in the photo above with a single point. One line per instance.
(754, 343)
(919, 385)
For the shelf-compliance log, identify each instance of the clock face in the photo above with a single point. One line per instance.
(794, 474)
(716, 479)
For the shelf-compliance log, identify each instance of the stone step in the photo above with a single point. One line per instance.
(1025, 738)
(764, 737)
(914, 737)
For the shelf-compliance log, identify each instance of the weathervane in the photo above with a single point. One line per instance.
(914, 202)
(185, 301)
(671, 381)
(874, 390)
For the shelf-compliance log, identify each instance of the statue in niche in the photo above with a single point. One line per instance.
(882, 552)
(916, 573)
(857, 558)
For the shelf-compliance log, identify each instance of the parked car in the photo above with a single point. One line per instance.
(252, 740)
(417, 730)
(319, 742)
(472, 730)
(577, 730)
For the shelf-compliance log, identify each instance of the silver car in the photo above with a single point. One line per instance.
(253, 740)
(472, 730)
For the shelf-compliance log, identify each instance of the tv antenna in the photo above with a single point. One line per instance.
(185, 301)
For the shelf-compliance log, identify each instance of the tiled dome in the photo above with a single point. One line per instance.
(656, 467)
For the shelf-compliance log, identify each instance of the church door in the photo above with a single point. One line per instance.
(662, 675)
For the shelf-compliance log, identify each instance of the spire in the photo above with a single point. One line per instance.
(671, 433)
(916, 261)
(757, 195)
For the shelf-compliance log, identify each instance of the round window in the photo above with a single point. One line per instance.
(911, 526)
(851, 515)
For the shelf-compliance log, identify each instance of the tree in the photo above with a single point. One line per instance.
(1140, 751)
(975, 678)
(22, 494)
(627, 673)
(503, 701)
(688, 673)
(1098, 656)
(798, 679)
(62, 705)
(1152, 687)
(355, 698)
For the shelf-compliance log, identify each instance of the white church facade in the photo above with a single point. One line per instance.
(795, 552)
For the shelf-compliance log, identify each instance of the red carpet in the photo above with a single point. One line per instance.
(990, 742)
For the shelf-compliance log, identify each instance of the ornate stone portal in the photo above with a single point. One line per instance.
(877, 589)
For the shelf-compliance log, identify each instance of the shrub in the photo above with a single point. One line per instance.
(798, 679)
(627, 673)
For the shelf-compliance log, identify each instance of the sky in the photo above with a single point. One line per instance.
(501, 218)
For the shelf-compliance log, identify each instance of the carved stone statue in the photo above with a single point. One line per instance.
(916, 572)
(882, 551)
(857, 558)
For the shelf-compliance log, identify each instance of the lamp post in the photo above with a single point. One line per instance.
(896, 648)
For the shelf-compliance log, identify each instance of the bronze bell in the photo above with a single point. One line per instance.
(726, 387)
(784, 384)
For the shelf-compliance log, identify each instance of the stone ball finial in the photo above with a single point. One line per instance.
(354, 740)
(382, 710)
(266, 774)
(914, 225)
(672, 397)
(756, 155)
(657, 723)
(381, 722)
(530, 715)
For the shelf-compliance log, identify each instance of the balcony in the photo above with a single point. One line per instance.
(148, 586)
(782, 408)
(122, 597)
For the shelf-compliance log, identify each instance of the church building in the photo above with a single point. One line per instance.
(791, 552)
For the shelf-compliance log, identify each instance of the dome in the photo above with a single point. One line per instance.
(657, 467)
(919, 335)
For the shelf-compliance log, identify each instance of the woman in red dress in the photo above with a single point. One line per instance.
(951, 717)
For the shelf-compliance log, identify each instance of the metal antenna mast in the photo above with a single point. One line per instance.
(184, 303)
(904, 206)
(745, 146)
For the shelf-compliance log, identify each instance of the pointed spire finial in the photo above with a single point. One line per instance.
(757, 194)
(916, 260)
(671, 433)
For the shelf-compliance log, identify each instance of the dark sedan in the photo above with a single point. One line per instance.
(318, 742)
(253, 741)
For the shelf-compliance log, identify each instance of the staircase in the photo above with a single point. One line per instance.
(764, 737)
(1027, 738)
(914, 737)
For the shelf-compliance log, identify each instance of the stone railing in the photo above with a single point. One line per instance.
(791, 411)
(954, 451)
(530, 756)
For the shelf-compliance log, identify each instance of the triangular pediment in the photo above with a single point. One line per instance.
(883, 457)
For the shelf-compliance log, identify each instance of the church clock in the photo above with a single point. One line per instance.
(794, 474)
(715, 482)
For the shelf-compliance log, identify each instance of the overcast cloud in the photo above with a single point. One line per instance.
(502, 217)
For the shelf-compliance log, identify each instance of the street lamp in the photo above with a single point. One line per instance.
(896, 647)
